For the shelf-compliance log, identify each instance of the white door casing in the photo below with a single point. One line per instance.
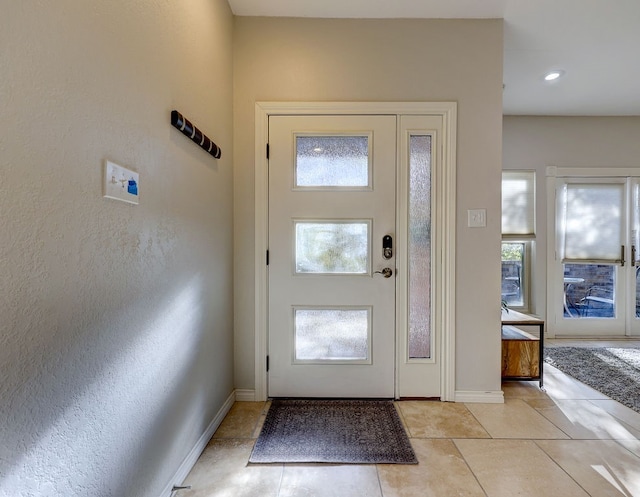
(563, 318)
(418, 376)
(443, 236)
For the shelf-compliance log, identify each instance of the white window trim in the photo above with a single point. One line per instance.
(528, 239)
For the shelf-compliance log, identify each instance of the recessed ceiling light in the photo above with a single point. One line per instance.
(553, 75)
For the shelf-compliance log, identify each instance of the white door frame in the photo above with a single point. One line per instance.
(444, 219)
(553, 173)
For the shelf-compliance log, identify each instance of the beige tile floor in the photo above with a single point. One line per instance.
(567, 441)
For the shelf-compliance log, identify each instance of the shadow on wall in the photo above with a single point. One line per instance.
(68, 414)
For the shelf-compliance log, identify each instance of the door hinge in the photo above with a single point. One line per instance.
(267, 257)
(267, 150)
(267, 364)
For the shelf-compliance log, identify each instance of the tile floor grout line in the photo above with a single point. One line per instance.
(280, 482)
(261, 416)
(534, 409)
(591, 401)
(618, 442)
(628, 427)
(561, 468)
(453, 442)
(550, 421)
(380, 482)
(479, 422)
(405, 425)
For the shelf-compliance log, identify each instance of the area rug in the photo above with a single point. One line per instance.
(333, 431)
(613, 371)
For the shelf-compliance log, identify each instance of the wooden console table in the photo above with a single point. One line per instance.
(522, 352)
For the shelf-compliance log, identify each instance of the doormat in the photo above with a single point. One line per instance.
(614, 372)
(333, 431)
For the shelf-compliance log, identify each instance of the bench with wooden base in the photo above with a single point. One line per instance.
(522, 352)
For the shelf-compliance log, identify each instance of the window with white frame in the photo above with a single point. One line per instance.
(518, 236)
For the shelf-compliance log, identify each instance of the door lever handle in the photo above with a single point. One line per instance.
(386, 272)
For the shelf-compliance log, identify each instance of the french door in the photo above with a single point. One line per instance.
(597, 256)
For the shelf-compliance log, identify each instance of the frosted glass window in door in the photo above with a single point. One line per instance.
(332, 161)
(419, 247)
(332, 334)
(332, 247)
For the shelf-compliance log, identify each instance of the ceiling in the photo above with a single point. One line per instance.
(595, 42)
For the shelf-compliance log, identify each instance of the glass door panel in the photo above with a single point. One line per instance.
(592, 267)
(325, 162)
(419, 246)
(332, 247)
(589, 291)
(636, 292)
(634, 278)
(341, 335)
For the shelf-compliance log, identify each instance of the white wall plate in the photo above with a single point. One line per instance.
(477, 218)
(121, 183)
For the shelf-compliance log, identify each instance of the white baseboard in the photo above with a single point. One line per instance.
(192, 457)
(245, 395)
(480, 397)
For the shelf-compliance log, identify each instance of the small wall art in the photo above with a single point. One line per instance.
(121, 183)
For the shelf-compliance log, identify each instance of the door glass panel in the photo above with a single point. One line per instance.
(635, 228)
(635, 242)
(589, 291)
(332, 161)
(419, 247)
(332, 247)
(332, 335)
(637, 286)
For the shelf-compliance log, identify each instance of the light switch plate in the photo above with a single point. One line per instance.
(477, 218)
(121, 183)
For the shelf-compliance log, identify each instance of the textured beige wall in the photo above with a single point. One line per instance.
(537, 142)
(384, 60)
(115, 320)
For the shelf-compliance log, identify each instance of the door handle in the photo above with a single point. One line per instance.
(386, 272)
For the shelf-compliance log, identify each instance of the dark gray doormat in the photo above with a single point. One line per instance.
(612, 371)
(333, 431)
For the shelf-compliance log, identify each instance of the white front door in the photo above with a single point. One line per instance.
(332, 212)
